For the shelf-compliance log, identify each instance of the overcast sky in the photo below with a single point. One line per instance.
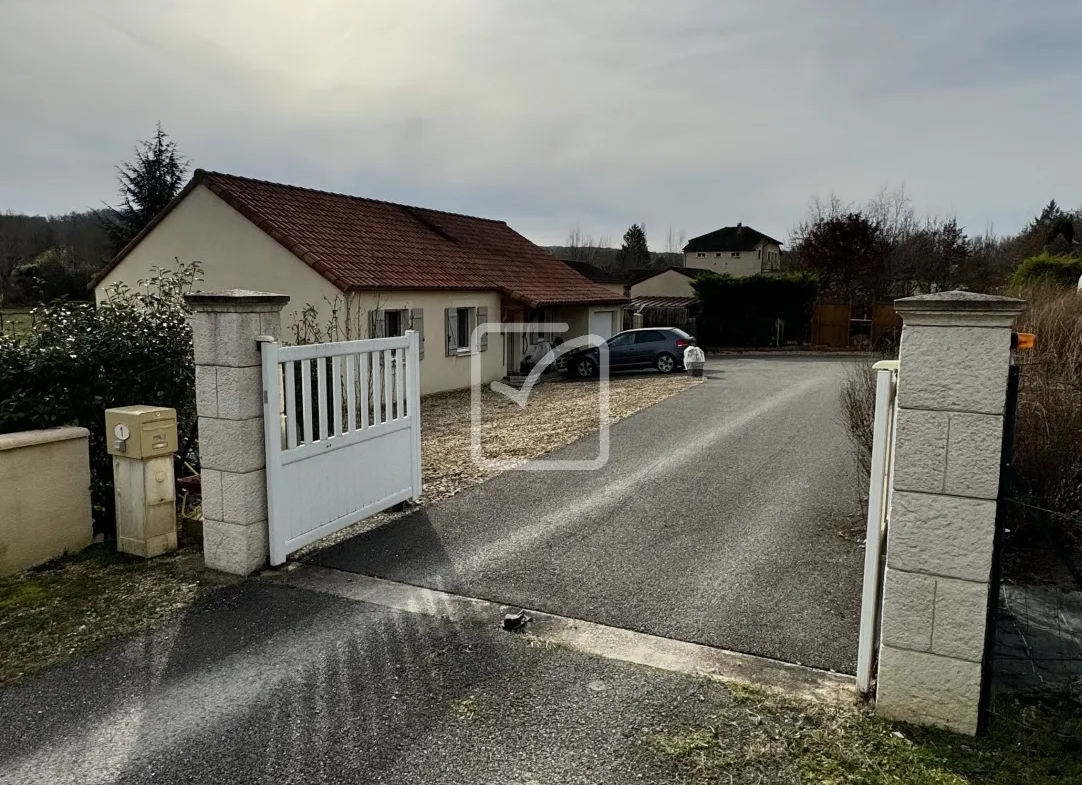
(687, 113)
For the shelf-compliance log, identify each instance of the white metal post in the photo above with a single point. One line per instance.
(413, 388)
(882, 448)
(272, 438)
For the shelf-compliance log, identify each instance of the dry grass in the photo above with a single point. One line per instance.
(762, 739)
(556, 414)
(73, 605)
(858, 411)
(1048, 444)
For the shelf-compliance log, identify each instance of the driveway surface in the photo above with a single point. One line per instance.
(267, 684)
(728, 515)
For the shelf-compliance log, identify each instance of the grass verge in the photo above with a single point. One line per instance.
(73, 605)
(760, 738)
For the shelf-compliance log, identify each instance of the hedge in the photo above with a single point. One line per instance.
(79, 360)
(744, 311)
(1049, 269)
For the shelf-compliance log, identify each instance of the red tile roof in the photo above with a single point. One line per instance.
(358, 243)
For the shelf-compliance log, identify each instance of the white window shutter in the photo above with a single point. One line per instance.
(417, 322)
(451, 330)
(482, 318)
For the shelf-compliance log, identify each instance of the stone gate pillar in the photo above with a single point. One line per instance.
(229, 399)
(952, 382)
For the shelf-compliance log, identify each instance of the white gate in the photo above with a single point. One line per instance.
(347, 449)
(880, 483)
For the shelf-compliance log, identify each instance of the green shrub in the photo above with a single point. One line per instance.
(744, 311)
(1048, 269)
(79, 360)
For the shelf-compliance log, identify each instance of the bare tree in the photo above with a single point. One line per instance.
(582, 247)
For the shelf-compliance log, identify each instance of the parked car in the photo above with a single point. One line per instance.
(648, 347)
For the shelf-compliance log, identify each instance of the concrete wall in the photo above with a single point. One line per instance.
(668, 284)
(744, 264)
(438, 371)
(234, 254)
(45, 503)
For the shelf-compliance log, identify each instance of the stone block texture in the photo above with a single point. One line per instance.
(244, 497)
(974, 451)
(909, 603)
(941, 535)
(924, 688)
(920, 462)
(239, 392)
(954, 359)
(236, 549)
(961, 609)
(229, 396)
(954, 368)
(231, 445)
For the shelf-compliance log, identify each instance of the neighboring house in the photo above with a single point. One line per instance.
(737, 250)
(389, 267)
(672, 282)
(611, 281)
(664, 298)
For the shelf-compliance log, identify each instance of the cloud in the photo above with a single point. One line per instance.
(692, 114)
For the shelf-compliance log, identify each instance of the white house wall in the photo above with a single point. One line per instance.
(234, 254)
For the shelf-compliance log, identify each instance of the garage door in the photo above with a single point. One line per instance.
(601, 323)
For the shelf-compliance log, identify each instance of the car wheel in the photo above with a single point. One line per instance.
(585, 368)
(665, 363)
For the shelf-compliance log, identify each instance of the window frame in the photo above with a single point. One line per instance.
(470, 312)
(402, 315)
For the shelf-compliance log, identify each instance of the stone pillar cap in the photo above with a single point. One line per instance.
(959, 300)
(959, 309)
(236, 296)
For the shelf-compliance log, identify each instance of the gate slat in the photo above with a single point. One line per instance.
(399, 383)
(376, 410)
(362, 362)
(321, 391)
(351, 392)
(306, 398)
(336, 383)
(388, 378)
(291, 405)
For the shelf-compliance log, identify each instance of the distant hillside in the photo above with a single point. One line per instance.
(606, 258)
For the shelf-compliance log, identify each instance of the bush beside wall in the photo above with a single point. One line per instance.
(80, 360)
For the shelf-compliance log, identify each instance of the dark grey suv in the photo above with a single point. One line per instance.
(647, 347)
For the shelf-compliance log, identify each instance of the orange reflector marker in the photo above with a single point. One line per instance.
(1024, 340)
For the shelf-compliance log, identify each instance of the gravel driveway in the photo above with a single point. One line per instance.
(728, 515)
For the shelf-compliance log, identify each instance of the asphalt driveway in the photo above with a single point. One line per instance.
(728, 515)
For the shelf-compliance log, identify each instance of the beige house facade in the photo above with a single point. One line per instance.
(673, 282)
(738, 251)
(383, 269)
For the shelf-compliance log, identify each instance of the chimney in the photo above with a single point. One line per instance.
(739, 226)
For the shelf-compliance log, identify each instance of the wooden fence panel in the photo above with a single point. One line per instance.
(830, 324)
